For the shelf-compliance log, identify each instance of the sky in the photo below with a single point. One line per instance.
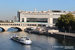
(9, 8)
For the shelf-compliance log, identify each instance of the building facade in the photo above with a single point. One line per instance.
(49, 17)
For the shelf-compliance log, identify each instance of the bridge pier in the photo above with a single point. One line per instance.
(22, 30)
(5, 29)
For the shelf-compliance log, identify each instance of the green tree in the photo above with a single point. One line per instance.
(1, 21)
(67, 21)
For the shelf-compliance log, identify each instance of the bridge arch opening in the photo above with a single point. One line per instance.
(17, 29)
(2, 29)
(11, 29)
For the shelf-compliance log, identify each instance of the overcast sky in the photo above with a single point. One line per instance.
(9, 8)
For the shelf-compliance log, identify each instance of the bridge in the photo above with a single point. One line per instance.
(22, 26)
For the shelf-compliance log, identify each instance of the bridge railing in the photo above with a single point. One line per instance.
(17, 24)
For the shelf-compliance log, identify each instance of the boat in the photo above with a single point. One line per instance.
(29, 29)
(22, 40)
(39, 30)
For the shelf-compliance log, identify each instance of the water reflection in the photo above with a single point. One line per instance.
(52, 40)
(27, 47)
(66, 42)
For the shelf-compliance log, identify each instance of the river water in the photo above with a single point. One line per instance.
(39, 42)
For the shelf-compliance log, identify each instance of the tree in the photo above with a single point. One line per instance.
(1, 21)
(67, 21)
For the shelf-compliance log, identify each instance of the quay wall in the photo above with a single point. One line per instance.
(63, 35)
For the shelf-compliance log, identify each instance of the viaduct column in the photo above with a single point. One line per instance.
(50, 22)
(25, 19)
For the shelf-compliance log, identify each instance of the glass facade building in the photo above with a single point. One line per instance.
(36, 19)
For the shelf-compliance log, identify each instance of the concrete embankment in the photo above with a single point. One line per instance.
(63, 35)
(59, 34)
(52, 32)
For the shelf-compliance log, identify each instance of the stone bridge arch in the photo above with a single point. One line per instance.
(5, 28)
(2, 29)
(19, 29)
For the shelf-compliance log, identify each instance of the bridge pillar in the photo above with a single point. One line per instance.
(25, 19)
(50, 22)
(5, 29)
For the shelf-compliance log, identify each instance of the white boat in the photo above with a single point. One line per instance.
(23, 40)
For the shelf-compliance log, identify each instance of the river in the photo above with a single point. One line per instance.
(39, 42)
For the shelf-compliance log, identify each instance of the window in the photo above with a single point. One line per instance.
(22, 19)
(54, 20)
(37, 19)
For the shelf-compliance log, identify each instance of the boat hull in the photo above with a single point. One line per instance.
(17, 40)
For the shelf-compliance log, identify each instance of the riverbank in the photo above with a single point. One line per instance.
(58, 34)
(63, 35)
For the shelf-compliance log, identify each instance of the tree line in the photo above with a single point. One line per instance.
(66, 22)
